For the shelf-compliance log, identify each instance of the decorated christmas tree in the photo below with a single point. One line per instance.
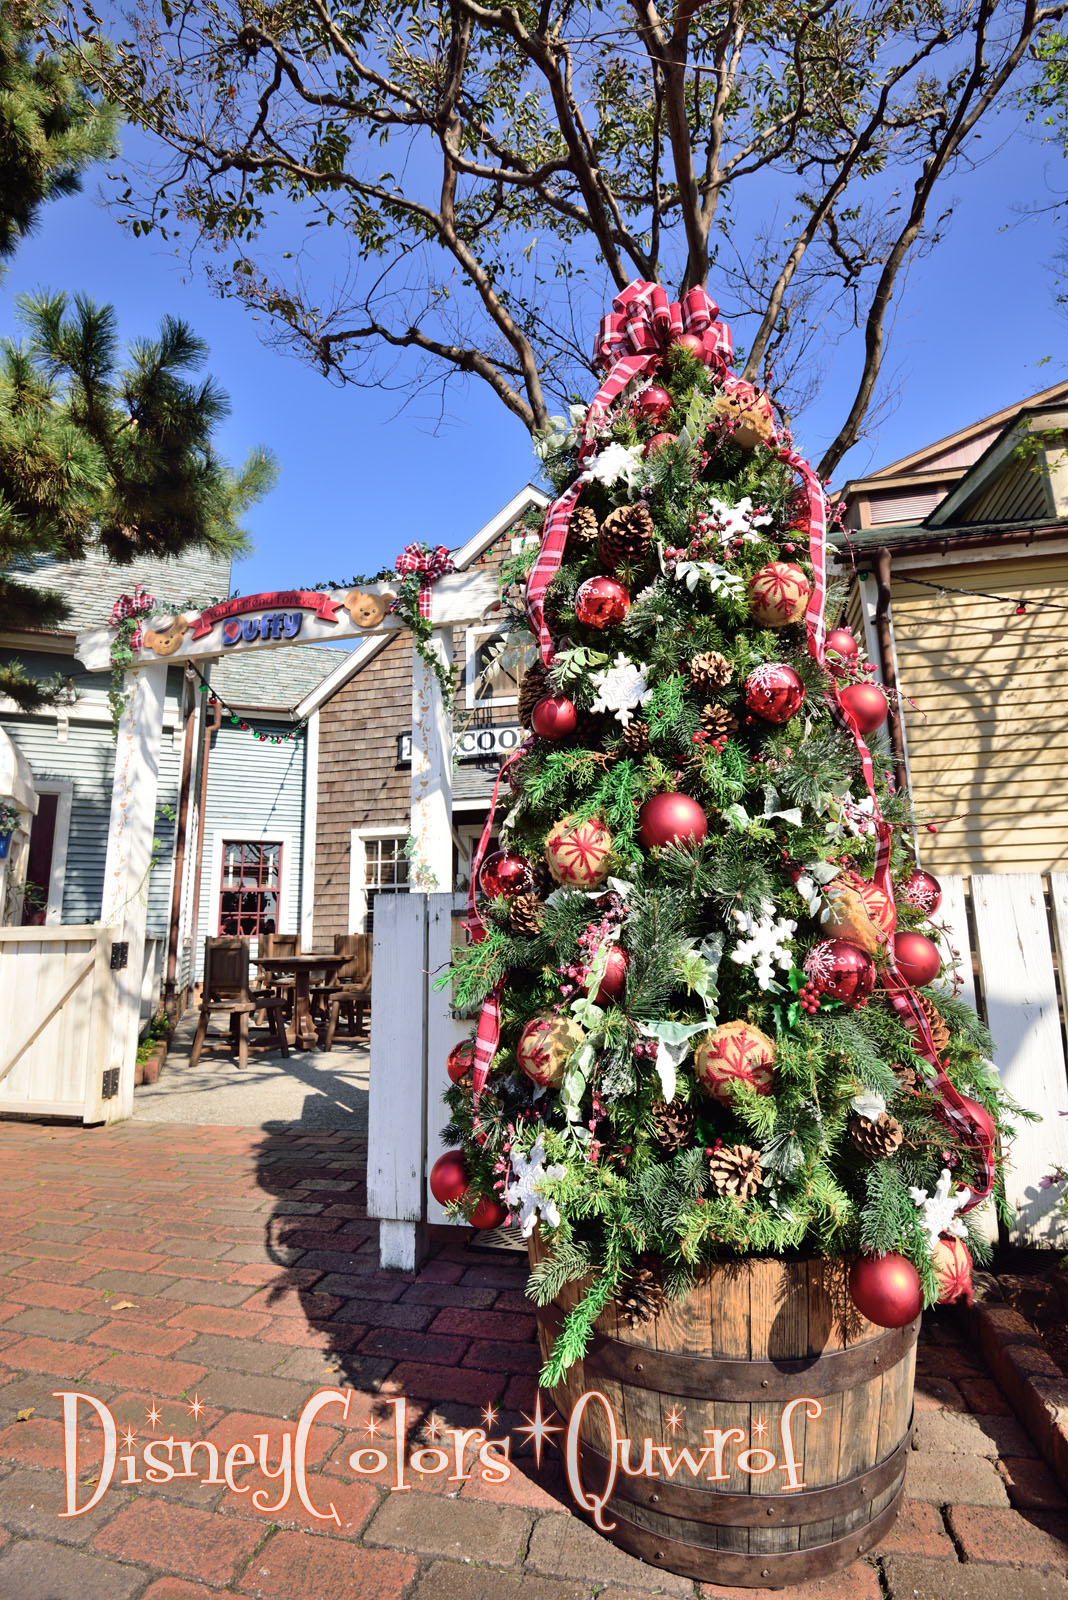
(712, 1022)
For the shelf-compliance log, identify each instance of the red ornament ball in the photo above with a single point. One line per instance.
(488, 1213)
(778, 594)
(915, 957)
(842, 970)
(692, 343)
(841, 650)
(658, 442)
(865, 705)
(653, 404)
(953, 1269)
(505, 873)
(615, 977)
(671, 819)
(886, 1290)
(922, 891)
(579, 853)
(601, 602)
(461, 1060)
(735, 1052)
(979, 1118)
(774, 692)
(449, 1177)
(554, 717)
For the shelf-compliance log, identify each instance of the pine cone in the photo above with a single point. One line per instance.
(544, 882)
(590, 729)
(673, 1126)
(909, 1079)
(939, 1031)
(534, 687)
(717, 720)
(626, 534)
(636, 737)
(643, 1297)
(877, 1139)
(524, 915)
(710, 671)
(581, 531)
(735, 1169)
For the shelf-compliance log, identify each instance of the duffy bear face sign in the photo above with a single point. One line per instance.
(367, 610)
(166, 636)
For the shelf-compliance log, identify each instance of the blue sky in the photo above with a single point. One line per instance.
(971, 331)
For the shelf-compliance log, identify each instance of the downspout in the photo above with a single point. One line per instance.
(169, 1001)
(886, 664)
(212, 727)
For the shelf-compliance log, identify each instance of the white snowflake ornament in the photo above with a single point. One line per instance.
(524, 1193)
(764, 948)
(938, 1211)
(617, 463)
(621, 687)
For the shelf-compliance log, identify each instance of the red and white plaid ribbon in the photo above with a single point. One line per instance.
(431, 561)
(138, 604)
(633, 339)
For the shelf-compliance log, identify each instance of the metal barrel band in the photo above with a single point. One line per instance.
(712, 1377)
(668, 1499)
(759, 1569)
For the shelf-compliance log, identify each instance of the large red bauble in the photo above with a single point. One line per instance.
(844, 647)
(488, 1213)
(866, 705)
(653, 404)
(774, 692)
(915, 957)
(554, 717)
(449, 1177)
(778, 594)
(953, 1269)
(735, 1052)
(461, 1060)
(671, 819)
(601, 602)
(692, 343)
(842, 970)
(658, 442)
(922, 891)
(886, 1290)
(615, 976)
(505, 873)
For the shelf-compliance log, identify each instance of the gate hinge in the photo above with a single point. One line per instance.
(109, 1086)
(120, 954)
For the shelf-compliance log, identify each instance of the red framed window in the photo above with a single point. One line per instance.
(248, 894)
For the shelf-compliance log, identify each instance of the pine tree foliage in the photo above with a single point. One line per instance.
(788, 814)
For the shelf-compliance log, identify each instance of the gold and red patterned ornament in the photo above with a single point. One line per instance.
(922, 891)
(886, 1290)
(671, 819)
(866, 704)
(774, 692)
(858, 911)
(545, 1046)
(916, 957)
(747, 414)
(735, 1052)
(601, 602)
(461, 1060)
(554, 717)
(504, 873)
(842, 651)
(952, 1264)
(778, 595)
(653, 404)
(579, 854)
(841, 970)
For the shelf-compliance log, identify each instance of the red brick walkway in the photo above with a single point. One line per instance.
(147, 1265)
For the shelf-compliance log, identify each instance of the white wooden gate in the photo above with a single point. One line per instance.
(57, 1001)
(1011, 934)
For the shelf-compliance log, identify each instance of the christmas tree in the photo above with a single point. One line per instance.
(708, 1026)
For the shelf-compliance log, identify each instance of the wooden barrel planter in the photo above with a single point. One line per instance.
(796, 1412)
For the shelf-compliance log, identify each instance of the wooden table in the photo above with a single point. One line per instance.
(302, 1030)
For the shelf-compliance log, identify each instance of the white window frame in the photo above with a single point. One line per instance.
(64, 788)
(475, 636)
(237, 835)
(358, 838)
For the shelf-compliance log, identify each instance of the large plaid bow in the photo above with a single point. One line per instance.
(137, 604)
(431, 562)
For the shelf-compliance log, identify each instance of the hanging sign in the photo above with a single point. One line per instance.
(474, 744)
(272, 625)
(324, 605)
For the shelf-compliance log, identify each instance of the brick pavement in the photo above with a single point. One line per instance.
(234, 1271)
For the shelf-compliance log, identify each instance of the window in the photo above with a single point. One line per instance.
(378, 865)
(248, 896)
(496, 661)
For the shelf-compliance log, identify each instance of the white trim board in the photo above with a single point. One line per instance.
(310, 831)
(64, 788)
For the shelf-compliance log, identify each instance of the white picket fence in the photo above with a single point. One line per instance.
(58, 996)
(1011, 935)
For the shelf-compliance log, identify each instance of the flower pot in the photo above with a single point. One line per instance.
(5, 845)
(795, 1410)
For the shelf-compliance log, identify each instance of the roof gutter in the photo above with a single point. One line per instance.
(947, 544)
